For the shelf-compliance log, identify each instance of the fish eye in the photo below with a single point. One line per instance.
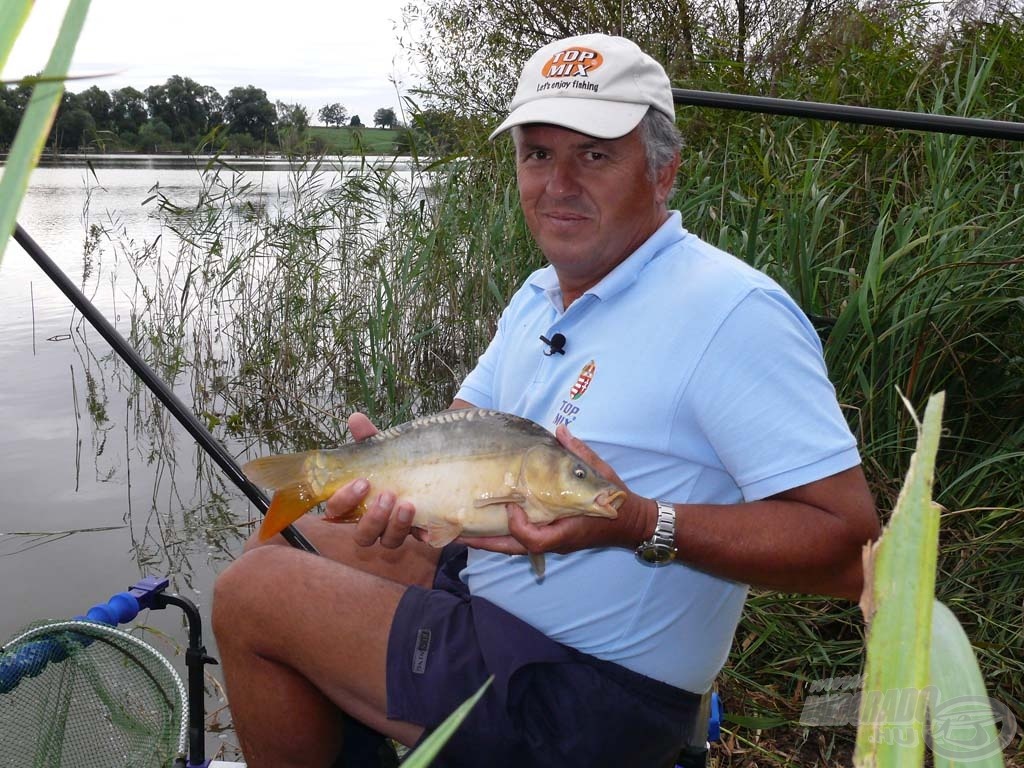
(580, 472)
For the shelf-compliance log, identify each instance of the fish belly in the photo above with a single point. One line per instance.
(452, 498)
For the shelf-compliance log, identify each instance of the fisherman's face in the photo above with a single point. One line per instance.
(588, 202)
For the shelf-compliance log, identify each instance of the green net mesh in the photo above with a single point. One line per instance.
(77, 694)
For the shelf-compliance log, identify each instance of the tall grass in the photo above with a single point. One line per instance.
(907, 249)
(360, 286)
(375, 288)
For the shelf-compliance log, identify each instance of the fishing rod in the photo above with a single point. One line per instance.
(164, 393)
(888, 118)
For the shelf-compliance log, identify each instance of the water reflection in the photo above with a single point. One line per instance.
(100, 487)
(231, 303)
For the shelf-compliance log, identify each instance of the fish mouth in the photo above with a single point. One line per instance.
(610, 501)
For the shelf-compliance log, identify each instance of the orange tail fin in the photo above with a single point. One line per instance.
(295, 496)
(288, 505)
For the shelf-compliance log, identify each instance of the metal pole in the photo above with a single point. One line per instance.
(889, 118)
(165, 394)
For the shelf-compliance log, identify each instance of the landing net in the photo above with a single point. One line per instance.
(78, 693)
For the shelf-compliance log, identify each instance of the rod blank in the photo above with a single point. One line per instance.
(888, 118)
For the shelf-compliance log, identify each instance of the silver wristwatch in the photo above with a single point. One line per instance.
(660, 549)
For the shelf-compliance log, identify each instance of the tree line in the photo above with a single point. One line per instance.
(179, 115)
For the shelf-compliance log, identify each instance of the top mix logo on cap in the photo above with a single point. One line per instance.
(572, 62)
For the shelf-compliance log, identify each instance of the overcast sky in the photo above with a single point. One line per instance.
(313, 52)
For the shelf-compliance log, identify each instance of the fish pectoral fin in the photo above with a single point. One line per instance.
(441, 532)
(289, 504)
(511, 498)
(538, 565)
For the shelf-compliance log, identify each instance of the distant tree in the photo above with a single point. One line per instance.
(74, 126)
(9, 120)
(154, 135)
(247, 110)
(405, 142)
(127, 110)
(183, 104)
(294, 116)
(12, 106)
(241, 144)
(436, 130)
(384, 117)
(355, 122)
(17, 96)
(214, 103)
(292, 122)
(333, 114)
(99, 104)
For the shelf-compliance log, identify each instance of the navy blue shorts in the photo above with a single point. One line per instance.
(549, 705)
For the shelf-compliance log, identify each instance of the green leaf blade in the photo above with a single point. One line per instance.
(14, 13)
(35, 123)
(962, 720)
(427, 751)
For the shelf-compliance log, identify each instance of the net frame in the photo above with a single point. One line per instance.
(117, 639)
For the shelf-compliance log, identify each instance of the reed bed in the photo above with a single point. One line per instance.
(375, 288)
(906, 250)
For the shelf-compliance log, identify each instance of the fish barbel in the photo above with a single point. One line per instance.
(458, 468)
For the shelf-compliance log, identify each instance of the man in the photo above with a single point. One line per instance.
(685, 376)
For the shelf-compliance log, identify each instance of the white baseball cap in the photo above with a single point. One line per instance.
(599, 85)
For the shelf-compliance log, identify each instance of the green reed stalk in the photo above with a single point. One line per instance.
(920, 665)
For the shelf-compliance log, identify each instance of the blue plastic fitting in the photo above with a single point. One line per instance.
(715, 718)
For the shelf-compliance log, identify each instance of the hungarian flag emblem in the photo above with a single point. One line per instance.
(583, 381)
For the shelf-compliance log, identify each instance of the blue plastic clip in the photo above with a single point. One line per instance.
(125, 606)
(715, 718)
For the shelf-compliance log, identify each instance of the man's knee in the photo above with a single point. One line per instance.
(242, 588)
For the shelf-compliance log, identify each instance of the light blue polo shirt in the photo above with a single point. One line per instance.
(699, 380)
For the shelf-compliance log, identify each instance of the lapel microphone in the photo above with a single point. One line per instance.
(556, 344)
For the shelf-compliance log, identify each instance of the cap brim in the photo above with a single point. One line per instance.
(593, 117)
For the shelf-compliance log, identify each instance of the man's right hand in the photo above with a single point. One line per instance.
(386, 519)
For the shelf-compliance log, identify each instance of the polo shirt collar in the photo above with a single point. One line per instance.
(625, 274)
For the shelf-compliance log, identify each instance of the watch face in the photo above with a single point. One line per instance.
(660, 548)
(656, 555)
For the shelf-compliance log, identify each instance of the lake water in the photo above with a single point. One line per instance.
(99, 487)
